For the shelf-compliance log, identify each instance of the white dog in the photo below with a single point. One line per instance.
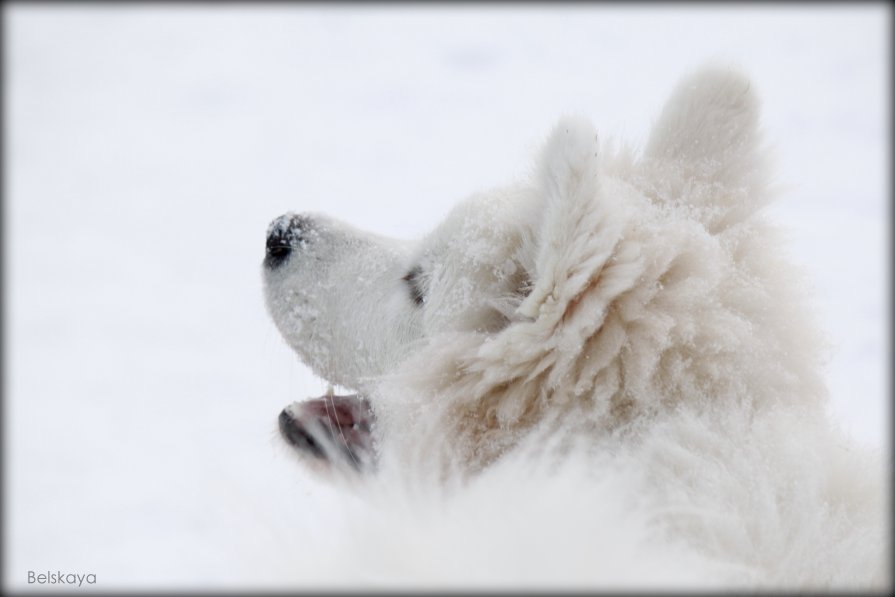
(620, 328)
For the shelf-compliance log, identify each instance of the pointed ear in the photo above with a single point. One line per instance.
(708, 129)
(570, 231)
(568, 164)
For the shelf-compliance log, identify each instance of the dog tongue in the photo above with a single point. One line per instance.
(343, 411)
(336, 429)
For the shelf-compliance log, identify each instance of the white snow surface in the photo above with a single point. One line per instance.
(149, 146)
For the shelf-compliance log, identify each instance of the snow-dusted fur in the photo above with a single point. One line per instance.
(611, 378)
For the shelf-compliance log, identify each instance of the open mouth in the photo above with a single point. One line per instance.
(335, 429)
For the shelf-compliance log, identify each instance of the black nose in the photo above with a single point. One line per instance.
(283, 235)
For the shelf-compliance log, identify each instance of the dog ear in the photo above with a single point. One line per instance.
(706, 147)
(571, 233)
(709, 125)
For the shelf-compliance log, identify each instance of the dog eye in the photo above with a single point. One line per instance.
(414, 283)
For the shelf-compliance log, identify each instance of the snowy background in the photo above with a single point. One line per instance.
(149, 146)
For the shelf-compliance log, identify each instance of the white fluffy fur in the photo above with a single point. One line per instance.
(614, 380)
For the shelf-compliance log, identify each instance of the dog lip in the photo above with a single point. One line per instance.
(296, 435)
